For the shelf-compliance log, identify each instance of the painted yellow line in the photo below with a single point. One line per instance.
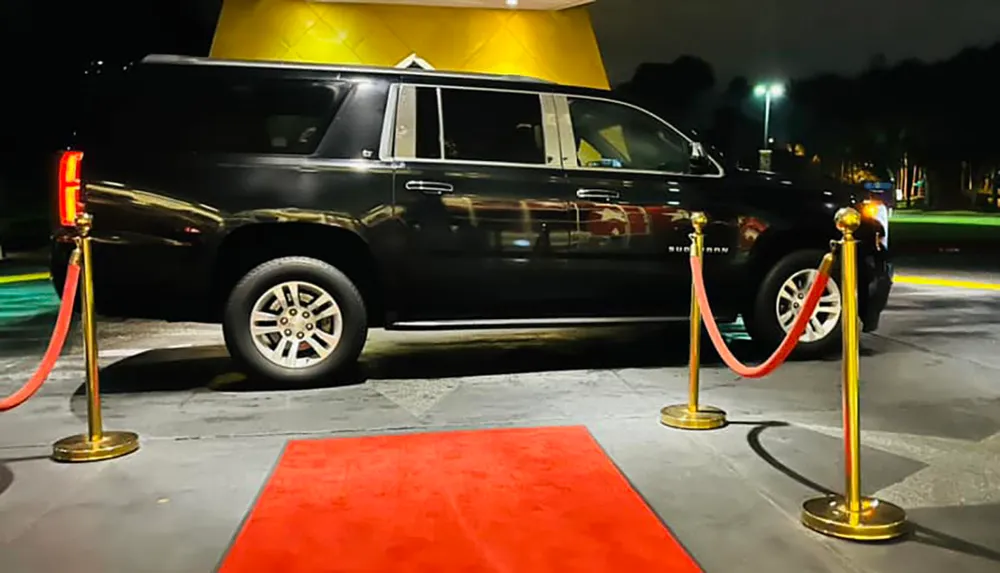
(942, 282)
(25, 278)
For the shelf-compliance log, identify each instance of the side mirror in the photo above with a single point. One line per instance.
(697, 151)
(701, 163)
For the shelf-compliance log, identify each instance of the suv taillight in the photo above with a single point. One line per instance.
(70, 199)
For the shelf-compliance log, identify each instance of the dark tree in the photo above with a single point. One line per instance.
(670, 89)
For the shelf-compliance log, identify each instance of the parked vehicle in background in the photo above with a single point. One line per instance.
(301, 205)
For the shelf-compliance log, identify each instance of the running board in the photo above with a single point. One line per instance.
(530, 323)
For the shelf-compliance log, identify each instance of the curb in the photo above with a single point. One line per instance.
(24, 278)
(944, 282)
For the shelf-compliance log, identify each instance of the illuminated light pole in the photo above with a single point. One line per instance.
(769, 92)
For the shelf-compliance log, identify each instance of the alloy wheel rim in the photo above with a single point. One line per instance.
(789, 301)
(296, 324)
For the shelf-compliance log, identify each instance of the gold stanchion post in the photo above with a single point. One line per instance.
(851, 516)
(96, 444)
(692, 416)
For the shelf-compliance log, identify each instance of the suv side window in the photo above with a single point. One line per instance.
(227, 115)
(615, 136)
(493, 126)
(286, 117)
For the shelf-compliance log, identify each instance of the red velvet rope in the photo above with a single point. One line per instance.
(56, 343)
(787, 345)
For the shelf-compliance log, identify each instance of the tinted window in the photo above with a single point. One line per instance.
(610, 135)
(219, 116)
(428, 126)
(356, 131)
(492, 126)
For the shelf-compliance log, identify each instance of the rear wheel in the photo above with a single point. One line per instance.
(295, 320)
(778, 304)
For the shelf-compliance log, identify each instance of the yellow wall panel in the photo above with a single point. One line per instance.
(558, 46)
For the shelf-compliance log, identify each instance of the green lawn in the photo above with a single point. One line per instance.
(969, 218)
(948, 229)
(23, 301)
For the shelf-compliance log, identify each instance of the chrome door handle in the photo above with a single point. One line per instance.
(597, 194)
(430, 187)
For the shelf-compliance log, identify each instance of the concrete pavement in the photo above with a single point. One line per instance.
(931, 420)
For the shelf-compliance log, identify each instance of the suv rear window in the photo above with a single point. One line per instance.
(176, 111)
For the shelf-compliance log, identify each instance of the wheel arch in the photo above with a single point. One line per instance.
(342, 246)
(775, 244)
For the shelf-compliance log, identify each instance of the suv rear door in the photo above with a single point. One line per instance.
(475, 191)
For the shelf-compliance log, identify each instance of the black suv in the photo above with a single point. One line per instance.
(301, 205)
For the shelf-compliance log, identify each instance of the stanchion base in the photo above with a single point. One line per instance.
(80, 449)
(877, 521)
(679, 416)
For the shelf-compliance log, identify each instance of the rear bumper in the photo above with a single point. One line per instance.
(875, 284)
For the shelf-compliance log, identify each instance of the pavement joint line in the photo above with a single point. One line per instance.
(25, 278)
(824, 545)
(945, 282)
(939, 354)
(348, 433)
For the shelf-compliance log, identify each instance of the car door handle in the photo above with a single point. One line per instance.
(597, 194)
(430, 187)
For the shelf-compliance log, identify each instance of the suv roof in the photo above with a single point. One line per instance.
(198, 61)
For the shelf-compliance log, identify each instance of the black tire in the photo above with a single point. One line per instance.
(762, 319)
(239, 307)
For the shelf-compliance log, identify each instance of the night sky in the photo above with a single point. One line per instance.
(755, 38)
(788, 38)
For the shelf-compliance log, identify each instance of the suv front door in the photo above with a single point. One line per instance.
(630, 175)
(474, 191)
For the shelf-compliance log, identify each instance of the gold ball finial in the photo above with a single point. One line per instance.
(84, 221)
(848, 220)
(699, 220)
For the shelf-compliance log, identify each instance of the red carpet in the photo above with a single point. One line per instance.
(515, 501)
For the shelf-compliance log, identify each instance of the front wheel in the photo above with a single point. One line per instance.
(295, 320)
(778, 304)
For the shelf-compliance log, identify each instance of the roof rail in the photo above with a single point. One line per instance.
(201, 61)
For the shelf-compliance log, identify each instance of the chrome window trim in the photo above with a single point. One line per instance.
(387, 140)
(550, 131)
(440, 108)
(406, 115)
(420, 160)
(572, 164)
(567, 137)
(327, 164)
(405, 134)
(448, 86)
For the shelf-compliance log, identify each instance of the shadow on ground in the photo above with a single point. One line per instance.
(7, 475)
(429, 357)
(920, 532)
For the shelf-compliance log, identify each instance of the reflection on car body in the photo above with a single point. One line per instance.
(300, 205)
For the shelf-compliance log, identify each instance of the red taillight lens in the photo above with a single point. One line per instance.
(69, 187)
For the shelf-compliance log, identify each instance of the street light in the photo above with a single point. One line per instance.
(768, 92)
